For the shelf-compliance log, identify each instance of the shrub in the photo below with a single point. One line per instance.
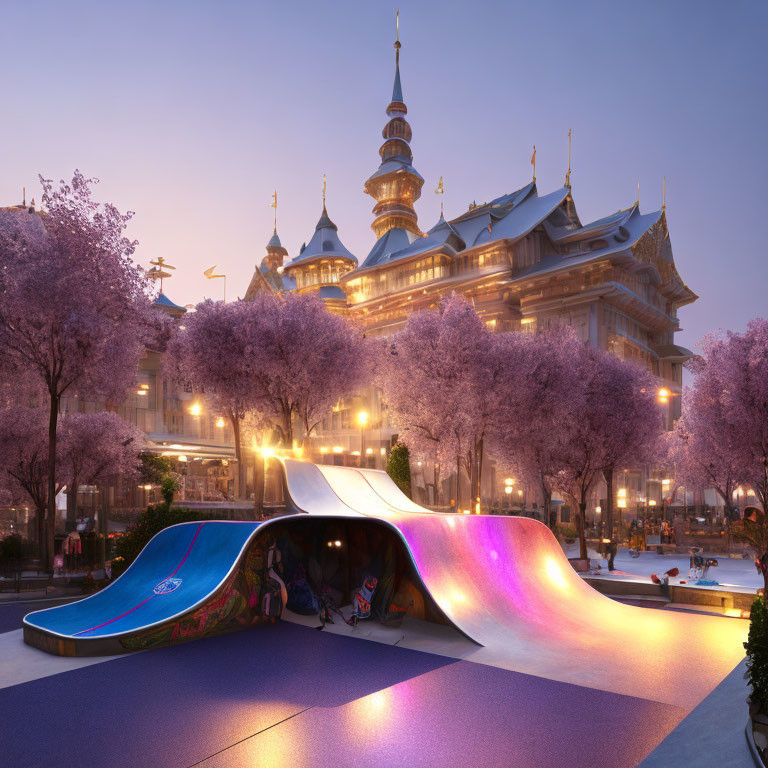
(13, 548)
(757, 654)
(399, 467)
(155, 519)
(565, 531)
(169, 487)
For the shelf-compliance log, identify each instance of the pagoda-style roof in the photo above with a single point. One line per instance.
(325, 244)
(508, 217)
(164, 304)
(395, 165)
(274, 241)
(639, 241)
(388, 246)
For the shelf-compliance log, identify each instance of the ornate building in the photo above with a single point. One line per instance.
(524, 259)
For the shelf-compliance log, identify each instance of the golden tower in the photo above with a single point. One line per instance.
(396, 185)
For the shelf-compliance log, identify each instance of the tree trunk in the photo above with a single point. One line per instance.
(103, 527)
(40, 527)
(259, 471)
(50, 520)
(546, 495)
(72, 503)
(288, 428)
(458, 483)
(477, 467)
(608, 511)
(581, 517)
(240, 469)
(436, 480)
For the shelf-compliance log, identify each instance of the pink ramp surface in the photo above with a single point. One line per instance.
(505, 582)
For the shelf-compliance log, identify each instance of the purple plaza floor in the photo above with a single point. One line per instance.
(288, 695)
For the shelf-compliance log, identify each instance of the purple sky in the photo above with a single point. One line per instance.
(192, 113)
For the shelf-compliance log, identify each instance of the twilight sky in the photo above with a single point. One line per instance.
(192, 113)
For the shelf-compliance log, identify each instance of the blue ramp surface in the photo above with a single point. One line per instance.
(181, 569)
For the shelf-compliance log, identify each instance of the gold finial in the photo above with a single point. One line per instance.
(440, 191)
(324, 185)
(397, 29)
(273, 204)
(533, 163)
(23, 195)
(638, 193)
(159, 270)
(211, 275)
(664, 195)
(568, 174)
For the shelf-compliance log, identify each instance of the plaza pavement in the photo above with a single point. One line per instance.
(730, 571)
(287, 694)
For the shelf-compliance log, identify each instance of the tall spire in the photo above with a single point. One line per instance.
(397, 90)
(568, 174)
(273, 204)
(396, 185)
(324, 187)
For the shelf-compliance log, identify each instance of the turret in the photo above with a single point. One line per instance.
(396, 185)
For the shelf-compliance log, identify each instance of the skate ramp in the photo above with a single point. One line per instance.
(506, 583)
(186, 569)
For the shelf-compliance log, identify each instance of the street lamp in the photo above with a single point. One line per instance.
(362, 420)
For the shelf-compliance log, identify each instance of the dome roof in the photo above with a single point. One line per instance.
(325, 243)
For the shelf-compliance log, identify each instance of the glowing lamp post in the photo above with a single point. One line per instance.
(362, 420)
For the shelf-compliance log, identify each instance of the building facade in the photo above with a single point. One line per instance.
(525, 260)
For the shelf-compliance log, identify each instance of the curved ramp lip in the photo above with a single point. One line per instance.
(391, 525)
(177, 615)
(419, 511)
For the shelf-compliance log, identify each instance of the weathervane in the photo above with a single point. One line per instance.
(440, 191)
(209, 273)
(273, 204)
(158, 271)
(533, 163)
(664, 195)
(324, 186)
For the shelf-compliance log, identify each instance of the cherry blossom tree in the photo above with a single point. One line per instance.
(24, 461)
(441, 377)
(701, 456)
(286, 358)
(313, 359)
(727, 411)
(95, 447)
(537, 399)
(212, 354)
(614, 421)
(74, 310)
(730, 397)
